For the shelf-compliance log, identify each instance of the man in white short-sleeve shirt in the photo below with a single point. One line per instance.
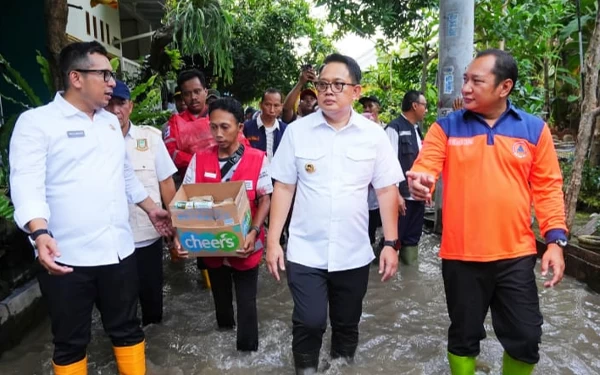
(329, 159)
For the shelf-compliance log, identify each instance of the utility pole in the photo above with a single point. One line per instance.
(457, 25)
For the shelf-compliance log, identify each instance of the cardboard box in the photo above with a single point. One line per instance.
(214, 231)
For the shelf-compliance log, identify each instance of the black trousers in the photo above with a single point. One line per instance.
(245, 283)
(507, 287)
(410, 226)
(71, 298)
(313, 290)
(150, 272)
(374, 223)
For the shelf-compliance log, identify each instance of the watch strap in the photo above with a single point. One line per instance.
(395, 244)
(256, 228)
(35, 234)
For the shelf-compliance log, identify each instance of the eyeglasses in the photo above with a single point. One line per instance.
(107, 74)
(336, 87)
(423, 104)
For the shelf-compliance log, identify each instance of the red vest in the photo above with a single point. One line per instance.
(248, 169)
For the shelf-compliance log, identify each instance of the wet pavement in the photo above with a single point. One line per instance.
(403, 330)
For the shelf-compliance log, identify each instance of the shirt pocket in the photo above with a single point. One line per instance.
(359, 165)
(406, 145)
(311, 164)
(144, 167)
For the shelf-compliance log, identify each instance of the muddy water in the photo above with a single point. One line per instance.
(403, 331)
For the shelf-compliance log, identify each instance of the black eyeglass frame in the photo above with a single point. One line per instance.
(107, 74)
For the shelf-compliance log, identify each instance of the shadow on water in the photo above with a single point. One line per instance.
(403, 330)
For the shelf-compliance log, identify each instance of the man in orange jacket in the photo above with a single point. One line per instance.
(189, 132)
(495, 161)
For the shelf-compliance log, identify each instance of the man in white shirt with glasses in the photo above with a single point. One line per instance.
(329, 158)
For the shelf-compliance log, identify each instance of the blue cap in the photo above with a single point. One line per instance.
(121, 91)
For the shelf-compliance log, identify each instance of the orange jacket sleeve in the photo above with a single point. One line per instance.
(180, 158)
(546, 186)
(433, 154)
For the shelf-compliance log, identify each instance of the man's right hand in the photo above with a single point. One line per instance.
(306, 76)
(420, 185)
(47, 251)
(275, 261)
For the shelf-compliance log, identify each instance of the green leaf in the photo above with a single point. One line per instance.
(46, 73)
(572, 98)
(114, 63)
(15, 79)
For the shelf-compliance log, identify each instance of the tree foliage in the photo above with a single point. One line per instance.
(265, 36)
(395, 18)
(202, 27)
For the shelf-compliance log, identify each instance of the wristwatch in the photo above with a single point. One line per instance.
(395, 244)
(256, 228)
(561, 242)
(34, 235)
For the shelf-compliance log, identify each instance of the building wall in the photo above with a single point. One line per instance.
(99, 23)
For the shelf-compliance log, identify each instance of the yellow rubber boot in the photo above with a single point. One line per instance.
(511, 366)
(77, 368)
(131, 360)
(461, 365)
(206, 279)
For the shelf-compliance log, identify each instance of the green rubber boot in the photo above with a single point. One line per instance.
(409, 255)
(511, 366)
(461, 365)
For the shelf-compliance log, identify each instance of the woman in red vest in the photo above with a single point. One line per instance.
(232, 161)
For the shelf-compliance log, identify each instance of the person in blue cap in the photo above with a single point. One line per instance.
(154, 168)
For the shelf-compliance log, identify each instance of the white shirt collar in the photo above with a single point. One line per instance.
(261, 124)
(69, 109)
(355, 119)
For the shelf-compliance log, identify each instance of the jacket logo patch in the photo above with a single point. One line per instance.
(253, 138)
(519, 149)
(142, 144)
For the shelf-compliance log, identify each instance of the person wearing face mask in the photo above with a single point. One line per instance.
(230, 160)
(71, 184)
(154, 168)
(372, 106)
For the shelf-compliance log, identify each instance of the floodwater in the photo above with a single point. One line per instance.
(403, 330)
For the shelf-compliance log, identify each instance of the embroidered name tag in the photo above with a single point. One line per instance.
(76, 134)
(210, 175)
(405, 132)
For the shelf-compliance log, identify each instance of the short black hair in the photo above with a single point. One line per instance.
(505, 66)
(271, 91)
(351, 64)
(187, 75)
(76, 56)
(411, 96)
(229, 105)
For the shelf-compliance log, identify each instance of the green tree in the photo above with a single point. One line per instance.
(266, 35)
(395, 18)
(195, 27)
